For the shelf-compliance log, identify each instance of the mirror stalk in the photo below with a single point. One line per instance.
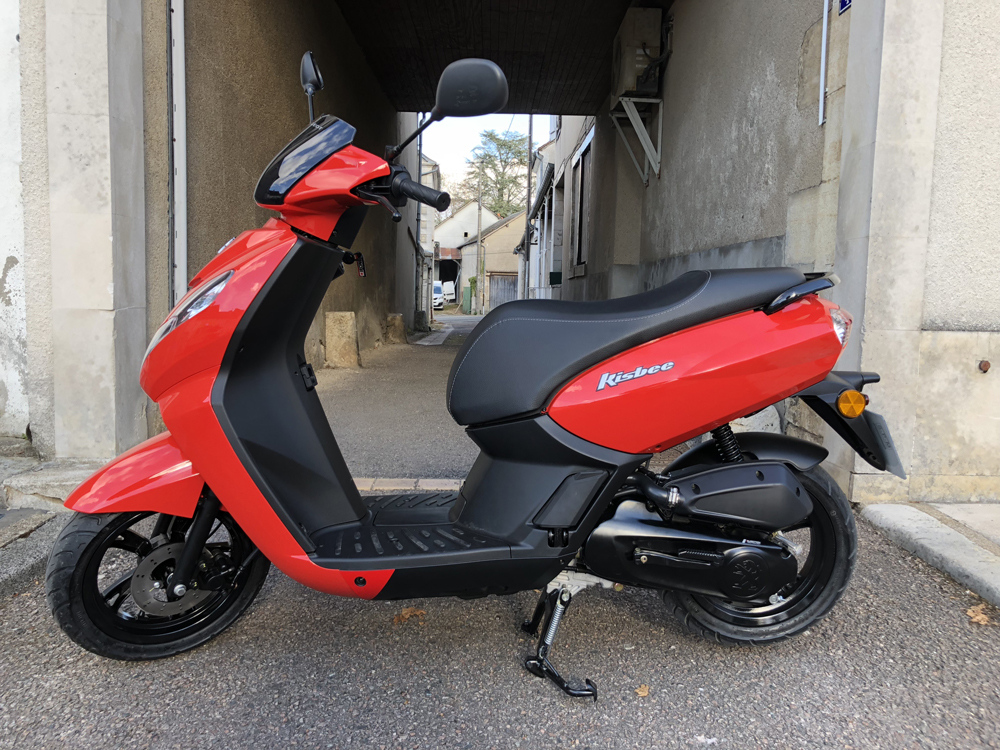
(310, 90)
(391, 152)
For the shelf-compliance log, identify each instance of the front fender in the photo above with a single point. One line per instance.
(153, 476)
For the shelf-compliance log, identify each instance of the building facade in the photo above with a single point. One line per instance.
(860, 146)
(113, 200)
(500, 261)
(452, 237)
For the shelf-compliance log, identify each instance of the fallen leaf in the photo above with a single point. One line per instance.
(407, 613)
(978, 614)
(642, 691)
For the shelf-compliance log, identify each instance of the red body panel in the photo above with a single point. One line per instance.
(187, 410)
(200, 343)
(179, 374)
(154, 476)
(721, 370)
(318, 200)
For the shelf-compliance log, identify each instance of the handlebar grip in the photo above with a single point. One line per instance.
(437, 199)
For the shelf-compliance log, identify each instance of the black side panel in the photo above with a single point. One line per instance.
(567, 505)
(268, 408)
(348, 226)
(764, 494)
(764, 446)
(521, 466)
(472, 579)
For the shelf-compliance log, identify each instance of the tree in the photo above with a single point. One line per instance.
(504, 160)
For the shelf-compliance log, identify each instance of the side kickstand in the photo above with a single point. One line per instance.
(539, 665)
(546, 601)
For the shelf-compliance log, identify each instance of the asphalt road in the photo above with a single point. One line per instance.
(389, 416)
(898, 664)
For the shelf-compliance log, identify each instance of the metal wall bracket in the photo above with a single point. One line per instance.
(638, 121)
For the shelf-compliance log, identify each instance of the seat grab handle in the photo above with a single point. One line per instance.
(811, 286)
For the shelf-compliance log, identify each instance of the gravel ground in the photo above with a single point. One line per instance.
(897, 665)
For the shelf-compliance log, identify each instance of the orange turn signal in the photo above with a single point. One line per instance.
(851, 403)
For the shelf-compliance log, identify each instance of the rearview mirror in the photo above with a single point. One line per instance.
(309, 74)
(311, 78)
(470, 87)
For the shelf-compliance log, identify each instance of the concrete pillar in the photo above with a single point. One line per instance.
(901, 174)
(342, 340)
(13, 328)
(87, 325)
(916, 236)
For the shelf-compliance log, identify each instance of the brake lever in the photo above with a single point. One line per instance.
(382, 201)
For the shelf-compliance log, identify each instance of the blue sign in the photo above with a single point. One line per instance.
(844, 5)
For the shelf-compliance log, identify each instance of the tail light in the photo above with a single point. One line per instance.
(841, 324)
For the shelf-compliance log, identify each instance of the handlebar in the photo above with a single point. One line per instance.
(403, 186)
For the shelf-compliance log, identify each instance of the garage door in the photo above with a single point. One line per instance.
(503, 288)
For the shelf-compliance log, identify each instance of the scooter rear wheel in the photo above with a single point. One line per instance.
(107, 580)
(825, 569)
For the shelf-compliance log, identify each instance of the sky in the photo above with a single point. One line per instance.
(450, 142)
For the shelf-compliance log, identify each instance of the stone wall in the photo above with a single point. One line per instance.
(931, 313)
(81, 182)
(244, 103)
(13, 324)
(744, 159)
(37, 241)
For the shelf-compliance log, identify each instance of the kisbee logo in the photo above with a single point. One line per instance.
(612, 379)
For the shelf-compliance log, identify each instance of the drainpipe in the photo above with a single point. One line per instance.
(527, 211)
(420, 212)
(178, 255)
(822, 62)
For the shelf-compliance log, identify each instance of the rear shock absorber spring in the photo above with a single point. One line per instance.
(726, 444)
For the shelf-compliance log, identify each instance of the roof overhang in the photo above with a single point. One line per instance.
(556, 54)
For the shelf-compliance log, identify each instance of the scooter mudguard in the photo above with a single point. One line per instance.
(867, 434)
(153, 476)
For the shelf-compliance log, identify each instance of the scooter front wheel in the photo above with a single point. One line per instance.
(828, 547)
(107, 583)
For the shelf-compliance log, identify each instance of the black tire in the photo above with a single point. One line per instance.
(103, 626)
(833, 557)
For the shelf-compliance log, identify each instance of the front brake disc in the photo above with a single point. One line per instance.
(149, 592)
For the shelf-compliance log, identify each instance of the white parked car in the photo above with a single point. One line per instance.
(449, 291)
(438, 296)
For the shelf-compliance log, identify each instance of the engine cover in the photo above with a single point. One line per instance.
(637, 547)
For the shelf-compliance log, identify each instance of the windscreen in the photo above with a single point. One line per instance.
(324, 136)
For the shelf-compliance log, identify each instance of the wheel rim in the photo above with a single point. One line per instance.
(119, 552)
(814, 573)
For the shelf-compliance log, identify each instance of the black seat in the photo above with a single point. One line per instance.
(523, 351)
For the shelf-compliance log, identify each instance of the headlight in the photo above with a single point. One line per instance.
(202, 297)
(841, 324)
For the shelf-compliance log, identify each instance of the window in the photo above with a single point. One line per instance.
(555, 126)
(581, 177)
(465, 234)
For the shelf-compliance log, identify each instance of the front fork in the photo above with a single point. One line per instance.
(198, 534)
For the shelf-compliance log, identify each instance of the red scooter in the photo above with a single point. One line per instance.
(749, 540)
